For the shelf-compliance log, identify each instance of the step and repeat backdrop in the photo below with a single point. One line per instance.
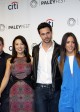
(21, 17)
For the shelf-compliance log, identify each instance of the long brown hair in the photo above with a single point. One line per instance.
(63, 50)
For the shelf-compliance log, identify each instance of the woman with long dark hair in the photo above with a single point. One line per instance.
(69, 64)
(20, 67)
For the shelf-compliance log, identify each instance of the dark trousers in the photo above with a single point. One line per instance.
(5, 100)
(0, 104)
(4, 105)
(46, 100)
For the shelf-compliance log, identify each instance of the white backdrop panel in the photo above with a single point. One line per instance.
(21, 17)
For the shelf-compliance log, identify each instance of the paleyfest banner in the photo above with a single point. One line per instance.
(21, 17)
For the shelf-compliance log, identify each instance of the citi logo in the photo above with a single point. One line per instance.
(50, 21)
(13, 5)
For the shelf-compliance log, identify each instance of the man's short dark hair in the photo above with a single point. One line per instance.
(43, 25)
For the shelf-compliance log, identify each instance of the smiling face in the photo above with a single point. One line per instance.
(70, 46)
(19, 47)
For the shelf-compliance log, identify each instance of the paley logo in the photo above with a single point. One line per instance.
(33, 3)
(71, 22)
(50, 21)
(13, 5)
(18, 26)
(47, 2)
(2, 27)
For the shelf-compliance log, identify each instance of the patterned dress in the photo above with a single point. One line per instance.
(21, 94)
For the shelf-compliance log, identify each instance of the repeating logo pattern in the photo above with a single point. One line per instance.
(71, 22)
(2, 27)
(33, 3)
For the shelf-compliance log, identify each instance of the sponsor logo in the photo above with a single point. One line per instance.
(48, 2)
(33, 3)
(2, 27)
(24, 26)
(10, 48)
(71, 22)
(13, 5)
(33, 44)
(50, 21)
(19, 26)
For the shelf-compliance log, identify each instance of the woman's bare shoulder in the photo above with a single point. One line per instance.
(8, 60)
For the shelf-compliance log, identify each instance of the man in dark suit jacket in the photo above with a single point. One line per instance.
(4, 100)
(46, 72)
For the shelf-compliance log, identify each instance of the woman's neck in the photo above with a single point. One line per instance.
(20, 55)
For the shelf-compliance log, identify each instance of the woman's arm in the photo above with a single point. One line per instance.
(6, 76)
(31, 60)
